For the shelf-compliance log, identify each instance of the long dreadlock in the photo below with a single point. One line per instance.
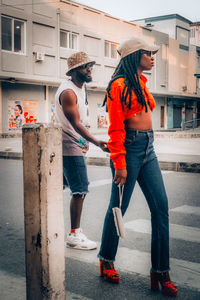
(127, 69)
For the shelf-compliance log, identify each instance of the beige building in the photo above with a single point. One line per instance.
(37, 37)
(195, 40)
(183, 67)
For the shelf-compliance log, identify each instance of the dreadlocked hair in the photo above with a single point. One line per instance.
(127, 69)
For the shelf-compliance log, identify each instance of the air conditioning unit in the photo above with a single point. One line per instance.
(39, 56)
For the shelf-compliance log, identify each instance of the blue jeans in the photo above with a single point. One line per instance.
(142, 165)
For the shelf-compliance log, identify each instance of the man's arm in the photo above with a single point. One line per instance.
(69, 105)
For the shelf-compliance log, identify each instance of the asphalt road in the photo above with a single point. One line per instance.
(133, 258)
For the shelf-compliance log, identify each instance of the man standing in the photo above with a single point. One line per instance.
(72, 113)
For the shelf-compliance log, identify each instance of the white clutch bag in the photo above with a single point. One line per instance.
(118, 219)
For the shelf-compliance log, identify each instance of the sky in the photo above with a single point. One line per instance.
(139, 9)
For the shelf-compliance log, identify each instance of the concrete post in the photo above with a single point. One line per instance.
(43, 209)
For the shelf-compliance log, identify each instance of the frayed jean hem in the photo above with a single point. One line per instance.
(158, 271)
(104, 259)
(79, 193)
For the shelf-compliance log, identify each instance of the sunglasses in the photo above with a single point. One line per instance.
(88, 65)
(148, 53)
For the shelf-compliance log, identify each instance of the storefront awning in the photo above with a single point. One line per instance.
(197, 75)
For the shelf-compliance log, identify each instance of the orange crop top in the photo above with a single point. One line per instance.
(119, 112)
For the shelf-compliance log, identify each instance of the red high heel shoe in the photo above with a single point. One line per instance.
(168, 287)
(110, 275)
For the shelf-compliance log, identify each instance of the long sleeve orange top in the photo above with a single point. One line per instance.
(119, 112)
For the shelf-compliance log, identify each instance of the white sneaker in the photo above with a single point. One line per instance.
(78, 240)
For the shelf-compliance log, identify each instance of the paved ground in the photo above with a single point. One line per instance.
(177, 151)
(133, 258)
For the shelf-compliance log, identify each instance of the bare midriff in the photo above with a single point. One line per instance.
(140, 121)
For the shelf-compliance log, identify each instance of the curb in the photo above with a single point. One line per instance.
(177, 135)
(105, 161)
(158, 134)
(11, 155)
(164, 165)
(180, 166)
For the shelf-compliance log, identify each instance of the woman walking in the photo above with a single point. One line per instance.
(130, 105)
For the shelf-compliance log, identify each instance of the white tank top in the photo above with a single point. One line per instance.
(73, 143)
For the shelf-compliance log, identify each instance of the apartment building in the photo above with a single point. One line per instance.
(184, 67)
(195, 40)
(37, 37)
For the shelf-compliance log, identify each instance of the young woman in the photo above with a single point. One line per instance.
(130, 104)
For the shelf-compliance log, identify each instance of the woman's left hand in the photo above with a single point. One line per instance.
(120, 176)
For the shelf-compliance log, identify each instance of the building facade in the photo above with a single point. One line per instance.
(195, 40)
(183, 69)
(38, 37)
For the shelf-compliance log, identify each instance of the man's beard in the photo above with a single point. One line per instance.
(84, 78)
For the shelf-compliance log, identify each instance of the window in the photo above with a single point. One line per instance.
(182, 35)
(68, 40)
(192, 32)
(110, 49)
(12, 32)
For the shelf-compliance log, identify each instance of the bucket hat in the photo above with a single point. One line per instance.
(134, 44)
(77, 60)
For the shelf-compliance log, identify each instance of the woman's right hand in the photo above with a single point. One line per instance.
(120, 176)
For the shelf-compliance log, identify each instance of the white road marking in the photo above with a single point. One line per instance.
(183, 273)
(72, 296)
(179, 232)
(186, 209)
(100, 182)
(167, 172)
(12, 286)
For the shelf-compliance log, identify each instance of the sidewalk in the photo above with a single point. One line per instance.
(176, 151)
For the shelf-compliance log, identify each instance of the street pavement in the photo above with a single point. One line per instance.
(133, 257)
(176, 151)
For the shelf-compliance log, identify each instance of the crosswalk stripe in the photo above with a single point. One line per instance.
(101, 182)
(72, 296)
(179, 232)
(186, 209)
(184, 273)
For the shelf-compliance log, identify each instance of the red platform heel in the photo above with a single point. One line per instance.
(168, 287)
(110, 275)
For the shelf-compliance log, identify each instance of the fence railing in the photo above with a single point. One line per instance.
(190, 124)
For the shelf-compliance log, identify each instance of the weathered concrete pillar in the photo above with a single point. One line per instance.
(43, 209)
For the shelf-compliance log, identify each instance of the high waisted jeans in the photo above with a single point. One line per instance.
(142, 165)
